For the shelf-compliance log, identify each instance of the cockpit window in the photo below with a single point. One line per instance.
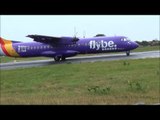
(125, 39)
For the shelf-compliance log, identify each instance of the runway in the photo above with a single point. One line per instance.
(93, 58)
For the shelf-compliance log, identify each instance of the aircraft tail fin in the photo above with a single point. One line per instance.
(6, 48)
(4, 41)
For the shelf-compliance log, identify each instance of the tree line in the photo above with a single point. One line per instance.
(148, 43)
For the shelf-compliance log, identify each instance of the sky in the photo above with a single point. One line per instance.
(135, 27)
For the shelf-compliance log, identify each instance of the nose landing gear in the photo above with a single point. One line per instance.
(127, 53)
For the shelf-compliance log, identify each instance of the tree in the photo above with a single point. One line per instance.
(145, 43)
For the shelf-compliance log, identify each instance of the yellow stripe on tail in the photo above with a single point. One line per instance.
(8, 48)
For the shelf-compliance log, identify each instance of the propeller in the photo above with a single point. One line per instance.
(84, 34)
(75, 39)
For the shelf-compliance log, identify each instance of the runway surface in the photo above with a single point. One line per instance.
(94, 58)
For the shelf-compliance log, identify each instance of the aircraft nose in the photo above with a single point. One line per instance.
(132, 45)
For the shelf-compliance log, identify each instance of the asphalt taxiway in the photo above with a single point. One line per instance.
(93, 58)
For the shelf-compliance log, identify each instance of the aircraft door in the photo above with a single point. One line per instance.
(22, 48)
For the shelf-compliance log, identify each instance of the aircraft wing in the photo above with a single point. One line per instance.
(44, 39)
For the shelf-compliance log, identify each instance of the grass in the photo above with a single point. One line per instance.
(111, 82)
(146, 48)
(4, 59)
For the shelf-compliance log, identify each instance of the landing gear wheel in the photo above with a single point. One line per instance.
(127, 53)
(57, 58)
(63, 58)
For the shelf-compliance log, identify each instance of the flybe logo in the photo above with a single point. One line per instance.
(104, 45)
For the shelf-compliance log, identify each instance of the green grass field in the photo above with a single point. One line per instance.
(10, 59)
(5, 59)
(146, 48)
(110, 82)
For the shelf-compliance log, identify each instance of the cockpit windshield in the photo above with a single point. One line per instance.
(125, 39)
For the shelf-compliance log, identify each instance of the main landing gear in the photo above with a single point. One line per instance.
(127, 53)
(58, 58)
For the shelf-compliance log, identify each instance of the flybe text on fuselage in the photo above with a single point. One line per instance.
(103, 45)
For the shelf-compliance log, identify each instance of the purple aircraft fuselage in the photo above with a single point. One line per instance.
(61, 47)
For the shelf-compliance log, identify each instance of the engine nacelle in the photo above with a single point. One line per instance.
(68, 40)
(70, 53)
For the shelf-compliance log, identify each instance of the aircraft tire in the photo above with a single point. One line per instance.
(127, 53)
(57, 58)
(63, 58)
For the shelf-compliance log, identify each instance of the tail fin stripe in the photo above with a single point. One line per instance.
(3, 47)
